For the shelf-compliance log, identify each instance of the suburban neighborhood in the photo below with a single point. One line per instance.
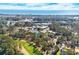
(39, 35)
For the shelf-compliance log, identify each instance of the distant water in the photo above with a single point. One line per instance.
(41, 12)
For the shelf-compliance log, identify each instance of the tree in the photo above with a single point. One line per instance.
(55, 26)
(8, 46)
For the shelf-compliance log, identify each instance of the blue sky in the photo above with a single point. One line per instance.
(40, 8)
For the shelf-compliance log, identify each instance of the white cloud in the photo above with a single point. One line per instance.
(61, 7)
(39, 1)
(43, 6)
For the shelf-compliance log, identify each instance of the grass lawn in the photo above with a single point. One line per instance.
(58, 53)
(27, 47)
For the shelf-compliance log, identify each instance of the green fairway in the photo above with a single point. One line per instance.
(27, 47)
(58, 53)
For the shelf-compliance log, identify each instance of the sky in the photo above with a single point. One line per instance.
(40, 8)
